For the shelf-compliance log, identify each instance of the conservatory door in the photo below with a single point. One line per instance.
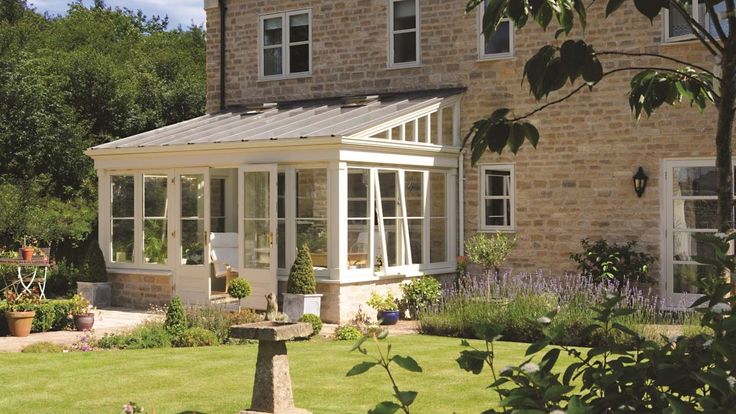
(257, 227)
(191, 236)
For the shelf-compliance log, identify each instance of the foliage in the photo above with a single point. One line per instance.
(315, 321)
(489, 252)
(62, 280)
(194, 337)
(176, 319)
(386, 360)
(218, 320)
(20, 302)
(148, 335)
(239, 288)
(619, 262)
(347, 333)
(419, 294)
(94, 269)
(85, 343)
(51, 315)
(301, 277)
(383, 303)
(79, 306)
(43, 348)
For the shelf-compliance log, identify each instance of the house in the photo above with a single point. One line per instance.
(339, 124)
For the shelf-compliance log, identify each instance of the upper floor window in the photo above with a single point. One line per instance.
(676, 27)
(404, 33)
(497, 197)
(286, 44)
(501, 44)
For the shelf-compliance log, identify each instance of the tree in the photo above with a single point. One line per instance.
(670, 82)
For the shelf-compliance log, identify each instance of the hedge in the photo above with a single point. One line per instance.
(51, 315)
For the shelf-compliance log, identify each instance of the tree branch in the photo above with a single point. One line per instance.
(698, 30)
(716, 22)
(682, 62)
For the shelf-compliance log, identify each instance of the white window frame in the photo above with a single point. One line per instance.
(482, 197)
(391, 32)
(482, 55)
(285, 45)
(696, 15)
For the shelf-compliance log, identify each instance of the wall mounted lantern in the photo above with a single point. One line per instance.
(640, 182)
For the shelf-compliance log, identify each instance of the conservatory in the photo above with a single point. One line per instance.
(368, 183)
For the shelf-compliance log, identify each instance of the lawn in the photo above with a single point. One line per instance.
(220, 379)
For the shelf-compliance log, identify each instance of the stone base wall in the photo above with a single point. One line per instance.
(140, 291)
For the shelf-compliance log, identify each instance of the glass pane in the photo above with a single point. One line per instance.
(281, 195)
(217, 198)
(154, 196)
(720, 10)
(438, 240)
(405, 15)
(409, 127)
(686, 246)
(358, 244)
(422, 127)
(313, 233)
(389, 195)
(155, 241)
(392, 228)
(311, 191)
(497, 212)
(498, 183)
(447, 126)
(414, 181)
(299, 28)
(694, 181)
(686, 277)
(257, 244)
(433, 124)
(381, 135)
(437, 194)
(678, 23)
(416, 234)
(122, 240)
(500, 42)
(217, 224)
(358, 182)
(272, 33)
(272, 62)
(405, 47)
(694, 214)
(192, 238)
(281, 239)
(257, 194)
(122, 191)
(192, 196)
(396, 133)
(299, 59)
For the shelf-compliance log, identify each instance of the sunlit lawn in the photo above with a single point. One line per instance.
(220, 379)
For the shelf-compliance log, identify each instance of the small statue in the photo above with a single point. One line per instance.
(272, 308)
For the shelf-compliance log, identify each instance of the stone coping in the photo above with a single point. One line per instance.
(272, 331)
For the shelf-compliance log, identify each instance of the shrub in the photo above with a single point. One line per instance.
(113, 341)
(244, 316)
(176, 319)
(348, 333)
(196, 337)
(51, 315)
(314, 320)
(301, 277)
(239, 289)
(383, 303)
(43, 348)
(419, 294)
(213, 319)
(148, 335)
(489, 252)
(618, 262)
(62, 280)
(95, 269)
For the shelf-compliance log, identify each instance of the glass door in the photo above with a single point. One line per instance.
(191, 236)
(258, 219)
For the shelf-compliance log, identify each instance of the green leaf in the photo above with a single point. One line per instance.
(407, 362)
(359, 343)
(554, 76)
(406, 397)
(549, 360)
(361, 368)
(650, 8)
(497, 137)
(715, 381)
(555, 392)
(472, 361)
(626, 330)
(516, 138)
(538, 346)
(577, 406)
(385, 407)
(573, 54)
(531, 132)
(592, 69)
(612, 6)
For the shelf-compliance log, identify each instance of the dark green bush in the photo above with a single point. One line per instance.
(619, 262)
(43, 348)
(315, 321)
(51, 315)
(301, 277)
(62, 280)
(196, 337)
(348, 333)
(94, 269)
(176, 319)
(420, 294)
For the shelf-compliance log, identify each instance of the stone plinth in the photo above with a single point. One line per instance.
(272, 392)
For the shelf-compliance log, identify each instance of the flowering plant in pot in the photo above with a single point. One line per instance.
(82, 312)
(20, 311)
(26, 247)
(386, 306)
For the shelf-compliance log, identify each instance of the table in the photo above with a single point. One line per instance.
(28, 272)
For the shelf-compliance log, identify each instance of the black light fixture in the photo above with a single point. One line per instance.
(640, 182)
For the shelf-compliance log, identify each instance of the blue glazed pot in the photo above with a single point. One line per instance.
(388, 317)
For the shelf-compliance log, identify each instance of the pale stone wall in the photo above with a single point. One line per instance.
(140, 291)
(576, 184)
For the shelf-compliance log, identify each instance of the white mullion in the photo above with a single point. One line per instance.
(440, 127)
(404, 220)
(403, 132)
(427, 219)
(415, 138)
(290, 216)
(456, 124)
(381, 227)
(428, 127)
(371, 218)
(138, 218)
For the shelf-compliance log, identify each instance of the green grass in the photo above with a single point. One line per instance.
(220, 379)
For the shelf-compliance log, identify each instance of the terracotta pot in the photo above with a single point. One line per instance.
(27, 253)
(84, 322)
(19, 323)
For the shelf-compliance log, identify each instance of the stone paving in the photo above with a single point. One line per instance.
(106, 321)
(401, 328)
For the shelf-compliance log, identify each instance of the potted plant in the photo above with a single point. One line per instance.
(386, 306)
(81, 311)
(26, 248)
(239, 289)
(301, 289)
(20, 312)
(93, 285)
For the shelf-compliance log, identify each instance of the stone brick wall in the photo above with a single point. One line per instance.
(140, 291)
(576, 184)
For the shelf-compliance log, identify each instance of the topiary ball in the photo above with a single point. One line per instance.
(314, 320)
(239, 289)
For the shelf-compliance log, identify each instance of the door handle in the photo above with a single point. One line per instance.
(270, 239)
(173, 234)
(206, 239)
